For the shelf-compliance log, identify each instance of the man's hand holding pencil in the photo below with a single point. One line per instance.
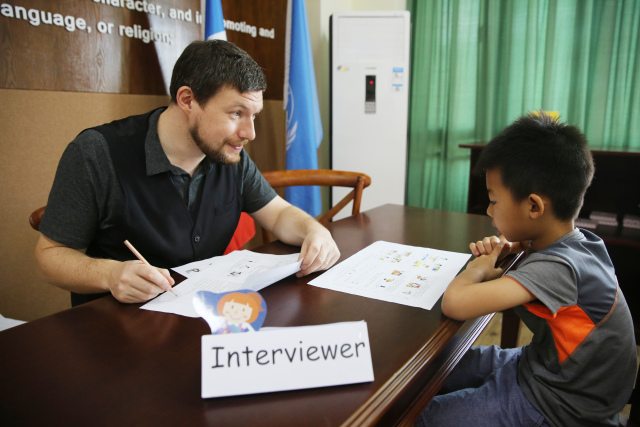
(138, 281)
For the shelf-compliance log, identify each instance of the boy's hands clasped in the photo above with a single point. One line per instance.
(479, 289)
(488, 244)
(489, 251)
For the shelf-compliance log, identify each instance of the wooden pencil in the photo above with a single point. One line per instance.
(141, 258)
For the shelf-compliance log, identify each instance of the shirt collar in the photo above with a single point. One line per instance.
(156, 160)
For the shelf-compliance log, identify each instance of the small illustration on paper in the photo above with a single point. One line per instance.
(231, 312)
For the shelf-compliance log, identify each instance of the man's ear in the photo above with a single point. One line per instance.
(537, 205)
(185, 99)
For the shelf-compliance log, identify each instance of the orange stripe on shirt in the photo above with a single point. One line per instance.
(569, 326)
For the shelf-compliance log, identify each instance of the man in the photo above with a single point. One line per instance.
(173, 182)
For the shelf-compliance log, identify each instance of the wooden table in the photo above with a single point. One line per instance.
(107, 363)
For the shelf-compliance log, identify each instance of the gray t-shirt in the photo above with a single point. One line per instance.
(86, 195)
(580, 366)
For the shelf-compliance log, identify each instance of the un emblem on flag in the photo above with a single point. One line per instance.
(291, 125)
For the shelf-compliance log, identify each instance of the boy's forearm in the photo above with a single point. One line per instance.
(451, 300)
(476, 292)
(462, 298)
(468, 276)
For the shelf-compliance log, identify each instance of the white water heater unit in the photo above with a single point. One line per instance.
(369, 101)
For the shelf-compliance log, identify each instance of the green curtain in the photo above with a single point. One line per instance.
(477, 65)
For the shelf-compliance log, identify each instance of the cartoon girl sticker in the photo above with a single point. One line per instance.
(238, 311)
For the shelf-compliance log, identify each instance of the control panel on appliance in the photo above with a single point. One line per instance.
(370, 95)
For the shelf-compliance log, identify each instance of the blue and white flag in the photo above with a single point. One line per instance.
(304, 127)
(213, 22)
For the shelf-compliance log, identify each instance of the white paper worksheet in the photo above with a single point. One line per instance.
(238, 270)
(403, 274)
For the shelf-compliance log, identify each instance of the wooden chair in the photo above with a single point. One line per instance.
(322, 177)
(36, 217)
(634, 399)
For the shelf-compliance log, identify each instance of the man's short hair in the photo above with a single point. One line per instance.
(538, 154)
(208, 66)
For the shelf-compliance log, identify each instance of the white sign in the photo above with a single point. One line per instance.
(285, 359)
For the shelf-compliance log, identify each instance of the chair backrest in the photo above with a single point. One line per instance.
(36, 217)
(634, 399)
(322, 177)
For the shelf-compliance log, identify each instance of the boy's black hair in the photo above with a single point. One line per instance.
(208, 66)
(537, 154)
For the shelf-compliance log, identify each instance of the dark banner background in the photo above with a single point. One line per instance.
(89, 46)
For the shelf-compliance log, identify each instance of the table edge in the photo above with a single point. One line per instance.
(371, 412)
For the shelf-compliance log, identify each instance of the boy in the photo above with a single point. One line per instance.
(580, 366)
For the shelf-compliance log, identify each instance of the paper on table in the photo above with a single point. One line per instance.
(9, 323)
(227, 273)
(403, 274)
(261, 280)
(197, 267)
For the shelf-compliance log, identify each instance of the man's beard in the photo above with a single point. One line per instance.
(217, 155)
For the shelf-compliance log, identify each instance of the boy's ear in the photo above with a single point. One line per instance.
(537, 206)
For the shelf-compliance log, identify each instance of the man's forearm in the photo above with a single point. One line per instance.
(293, 225)
(72, 270)
(318, 250)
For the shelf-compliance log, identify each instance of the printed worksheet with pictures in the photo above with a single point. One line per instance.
(238, 270)
(403, 274)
